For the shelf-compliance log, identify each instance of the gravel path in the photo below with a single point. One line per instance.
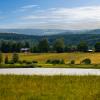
(49, 71)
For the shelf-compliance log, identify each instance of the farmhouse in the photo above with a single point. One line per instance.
(25, 50)
(90, 50)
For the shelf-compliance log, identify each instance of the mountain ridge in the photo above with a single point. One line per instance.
(70, 39)
(42, 32)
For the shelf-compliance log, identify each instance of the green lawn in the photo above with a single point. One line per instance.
(49, 87)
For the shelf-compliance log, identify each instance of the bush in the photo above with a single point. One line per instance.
(20, 62)
(86, 61)
(9, 62)
(26, 62)
(48, 61)
(72, 62)
(34, 62)
(15, 58)
(39, 66)
(6, 60)
(1, 58)
(56, 61)
(62, 62)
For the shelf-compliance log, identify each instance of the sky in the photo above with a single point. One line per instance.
(50, 14)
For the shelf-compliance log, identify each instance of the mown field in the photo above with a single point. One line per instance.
(42, 58)
(67, 57)
(49, 87)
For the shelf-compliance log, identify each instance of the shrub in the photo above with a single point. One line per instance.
(62, 62)
(24, 61)
(28, 62)
(10, 62)
(39, 66)
(15, 58)
(56, 61)
(6, 60)
(72, 62)
(48, 61)
(1, 58)
(34, 62)
(20, 62)
(86, 61)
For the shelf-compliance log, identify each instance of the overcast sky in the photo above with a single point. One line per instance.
(50, 14)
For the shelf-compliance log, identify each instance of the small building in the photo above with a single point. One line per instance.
(90, 50)
(25, 50)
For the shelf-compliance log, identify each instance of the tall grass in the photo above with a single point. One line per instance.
(14, 87)
(67, 57)
(42, 58)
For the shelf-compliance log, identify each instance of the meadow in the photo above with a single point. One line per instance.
(14, 87)
(67, 57)
(42, 58)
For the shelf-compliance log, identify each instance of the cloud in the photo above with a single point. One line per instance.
(29, 6)
(61, 18)
(26, 8)
(34, 17)
(69, 14)
(79, 14)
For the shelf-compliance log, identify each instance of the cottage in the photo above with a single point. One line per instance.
(25, 50)
(90, 50)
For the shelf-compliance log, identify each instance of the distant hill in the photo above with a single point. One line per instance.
(41, 32)
(72, 39)
(18, 37)
(33, 31)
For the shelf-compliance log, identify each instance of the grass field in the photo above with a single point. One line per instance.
(49, 87)
(41, 58)
(67, 57)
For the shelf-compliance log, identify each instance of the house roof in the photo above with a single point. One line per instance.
(25, 49)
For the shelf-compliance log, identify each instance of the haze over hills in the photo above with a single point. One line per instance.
(70, 37)
(41, 32)
(33, 31)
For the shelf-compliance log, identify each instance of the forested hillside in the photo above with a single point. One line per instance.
(72, 39)
(16, 37)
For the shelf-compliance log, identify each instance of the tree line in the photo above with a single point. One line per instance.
(44, 46)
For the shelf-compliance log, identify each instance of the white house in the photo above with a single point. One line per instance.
(90, 50)
(25, 50)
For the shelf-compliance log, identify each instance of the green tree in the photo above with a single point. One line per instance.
(72, 62)
(82, 46)
(13, 47)
(97, 47)
(43, 45)
(35, 49)
(6, 59)
(26, 44)
(59, 45)
(4, 46)
(18, 46)
(68, 48)
(1, 58)
(62, 62)
(15, 58)
(86, 61)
